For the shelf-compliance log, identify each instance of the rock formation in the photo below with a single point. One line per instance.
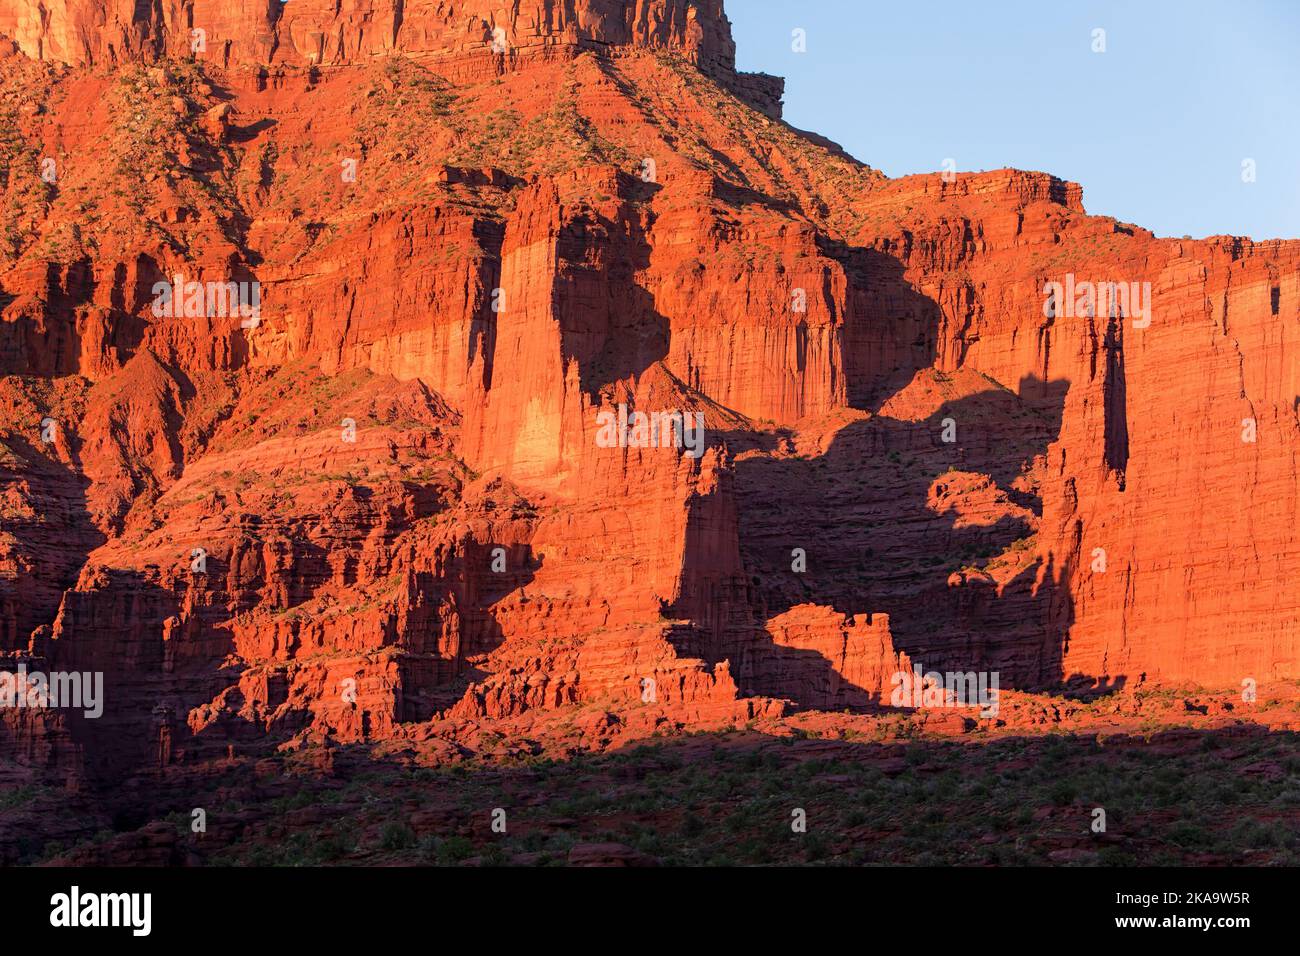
(382, 501)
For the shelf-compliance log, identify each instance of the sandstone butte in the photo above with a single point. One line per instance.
(475, 227)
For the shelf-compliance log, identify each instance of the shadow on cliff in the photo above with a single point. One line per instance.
(154, 686)
(624, 334)
(41, 337)
(52, 345)
(887, 516)
(607, 321)
(116, 626)
(53, 541)
(473, 597)
(50, 545)
(891, 329)
(482, 338)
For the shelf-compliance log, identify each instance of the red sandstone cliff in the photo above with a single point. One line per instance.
(451, 35)
(471, 254)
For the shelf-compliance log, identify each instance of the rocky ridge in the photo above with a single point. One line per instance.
(471, 254)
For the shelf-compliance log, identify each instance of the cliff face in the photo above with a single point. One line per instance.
(453, 34)
(410, 497)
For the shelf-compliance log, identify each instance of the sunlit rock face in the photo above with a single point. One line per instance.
(449, 476)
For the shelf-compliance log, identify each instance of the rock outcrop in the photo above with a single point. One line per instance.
(562, 382)
(464, 37)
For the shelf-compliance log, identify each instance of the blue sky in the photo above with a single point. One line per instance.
(1155, 129)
